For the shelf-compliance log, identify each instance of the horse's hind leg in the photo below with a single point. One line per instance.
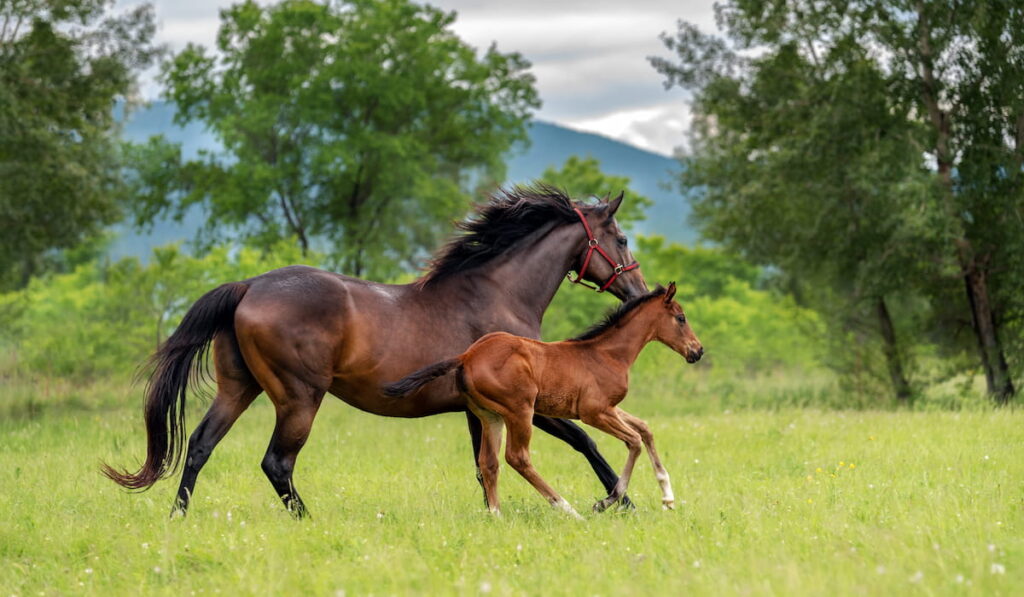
(475, 436)
(668, 499)
(236, 389)
(296, 410)
(517, 454)
(572, 434)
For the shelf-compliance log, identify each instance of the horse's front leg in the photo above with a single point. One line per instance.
(608, 420)
(668, 500)
(573, 434)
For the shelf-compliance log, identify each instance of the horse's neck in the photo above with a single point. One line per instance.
(624, 342)
(522, 282)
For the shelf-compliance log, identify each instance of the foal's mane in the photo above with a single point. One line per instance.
(508, 217)
(612, 318)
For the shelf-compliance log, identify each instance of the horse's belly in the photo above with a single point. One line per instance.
(560, 404)
(366, 397)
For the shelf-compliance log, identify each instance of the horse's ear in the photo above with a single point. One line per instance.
(613, 205)
(670, 292)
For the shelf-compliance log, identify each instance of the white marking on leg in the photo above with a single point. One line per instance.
(668, 499)
(564, 506)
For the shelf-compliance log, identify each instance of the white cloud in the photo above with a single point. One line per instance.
(589, 56)
(659, 128)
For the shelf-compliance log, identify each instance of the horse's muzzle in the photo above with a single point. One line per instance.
(694, 355)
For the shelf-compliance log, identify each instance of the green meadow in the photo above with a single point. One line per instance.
(771, 501)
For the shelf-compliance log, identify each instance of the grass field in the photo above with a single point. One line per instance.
(770, 503)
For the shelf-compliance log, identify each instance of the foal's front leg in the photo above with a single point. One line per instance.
(668, 500)
(610, 422)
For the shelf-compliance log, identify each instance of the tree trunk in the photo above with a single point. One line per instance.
(893, 358)
(997, 374)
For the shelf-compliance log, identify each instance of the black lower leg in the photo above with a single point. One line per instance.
(475, 434)
(573, 434)
(200, 445)
(278, 469)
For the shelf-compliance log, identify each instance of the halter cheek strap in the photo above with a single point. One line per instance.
(592, 245)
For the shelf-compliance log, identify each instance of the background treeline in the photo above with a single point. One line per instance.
(857, 165)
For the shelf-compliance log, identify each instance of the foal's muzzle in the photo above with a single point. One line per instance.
(694, 355)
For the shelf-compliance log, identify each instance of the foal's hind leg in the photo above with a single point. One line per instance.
(517, 454)
(668, 500)
(236, 389)
(609, 422)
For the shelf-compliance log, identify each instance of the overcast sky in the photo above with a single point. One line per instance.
(589, 57)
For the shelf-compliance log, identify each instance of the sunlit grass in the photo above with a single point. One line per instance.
(782, 502)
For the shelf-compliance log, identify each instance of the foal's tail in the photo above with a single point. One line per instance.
(174, 370)
(415, 381)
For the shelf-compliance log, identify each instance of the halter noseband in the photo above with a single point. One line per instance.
(592, 246)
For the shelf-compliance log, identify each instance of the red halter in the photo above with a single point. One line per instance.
(591, 247)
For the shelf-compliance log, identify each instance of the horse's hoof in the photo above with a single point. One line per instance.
(668, 505)
(564, 506)
(600, 507)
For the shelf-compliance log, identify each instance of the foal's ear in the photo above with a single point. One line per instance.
(670, 292)
(613, 205)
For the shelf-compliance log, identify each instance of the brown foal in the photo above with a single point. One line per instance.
(507, 379)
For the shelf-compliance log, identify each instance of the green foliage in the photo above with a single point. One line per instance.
(354, 127)
(63, 65)
(106, 318)
(830, 152)
(582, 177)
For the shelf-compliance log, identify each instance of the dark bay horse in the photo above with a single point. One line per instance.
(508, 380)
(298, 332)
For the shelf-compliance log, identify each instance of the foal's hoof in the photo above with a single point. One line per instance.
(602, 505)
(668, 505)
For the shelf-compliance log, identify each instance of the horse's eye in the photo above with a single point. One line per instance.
(622, 241)
(681, 319)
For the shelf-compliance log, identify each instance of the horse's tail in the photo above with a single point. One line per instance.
(174, 369)
(415, 381)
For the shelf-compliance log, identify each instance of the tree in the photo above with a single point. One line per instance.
(63, 68)
(355, 126)
(852, 94)
(803, 166)
(961, 67)
(582, 177)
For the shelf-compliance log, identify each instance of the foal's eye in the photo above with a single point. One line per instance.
(622, 241)
(681, 319)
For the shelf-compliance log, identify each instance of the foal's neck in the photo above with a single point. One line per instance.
(624, 342)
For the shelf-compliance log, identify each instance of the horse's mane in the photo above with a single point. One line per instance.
(613, 317)
(508, 217)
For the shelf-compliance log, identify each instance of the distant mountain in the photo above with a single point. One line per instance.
(550, 145)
